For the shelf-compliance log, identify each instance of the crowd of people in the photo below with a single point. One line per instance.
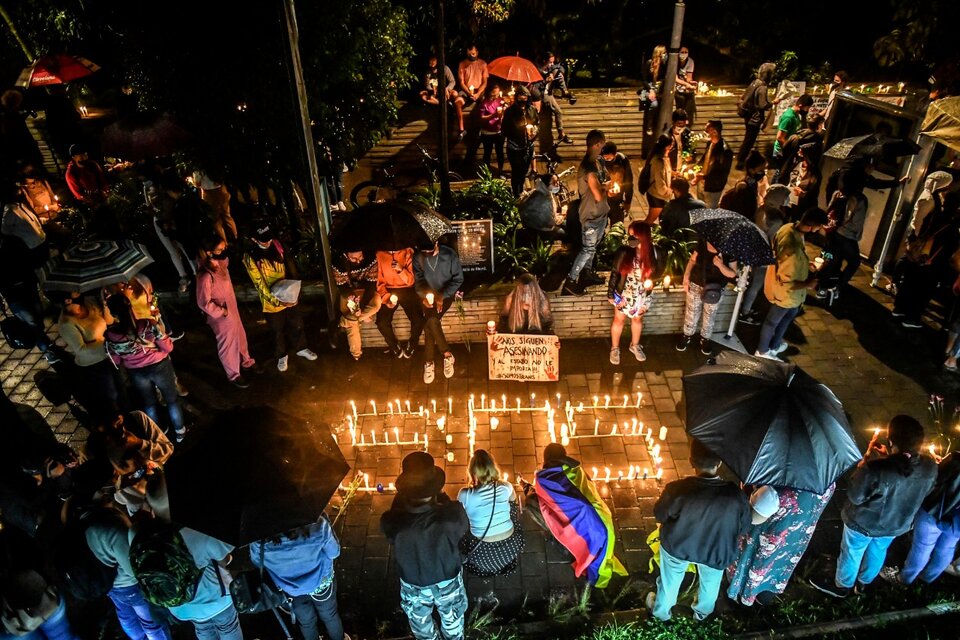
(99, 519)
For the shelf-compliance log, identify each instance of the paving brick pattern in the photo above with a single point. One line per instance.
(875, 367)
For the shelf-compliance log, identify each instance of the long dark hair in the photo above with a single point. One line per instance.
(660, 147)
(642, 232)
(120, 309)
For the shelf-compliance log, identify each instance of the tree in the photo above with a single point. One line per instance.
(923, 36)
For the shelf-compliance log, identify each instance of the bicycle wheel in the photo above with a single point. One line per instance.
(453, 176)
(364, 193)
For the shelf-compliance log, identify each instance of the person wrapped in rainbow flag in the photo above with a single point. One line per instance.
(566, 503)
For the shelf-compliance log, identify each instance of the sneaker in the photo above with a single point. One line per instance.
(448, 362)
(180, 435)
(182, 391)
(821, 294)
(684, 343)
(769, 355)
(282, 363)
(429, 372)
(564, 138)
(240, 382)
(183, 285)
(407, 350)
(51, 357)
(830, 588)
(751, 318)
(911, 324)
(862, 589)
(783, 346)
(306, 353)
(705, 347)
(571, 288)
(650, 600)
(638, 353)
(396, 352)
(891, 574)
(615, 356)
(897, 314)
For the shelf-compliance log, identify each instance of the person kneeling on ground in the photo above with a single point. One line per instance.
(356, 278)
(495, 540)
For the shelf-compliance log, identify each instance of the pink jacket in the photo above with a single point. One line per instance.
(215, 294)
(490, 118)
(150, 346)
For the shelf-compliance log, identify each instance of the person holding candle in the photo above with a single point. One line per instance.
(704, 279)
(396, 287)
(432, 90)
(660, 174)
(495, 540)
(884, 496)
(425, 528)
(936, 529)
(300, 562)
(593, 185)
(356, 278)
(626, 291)
(82, 325)
(491, 122)
(438, 276)
(620, 195)
(266, 265)
(520, 128)
(218, 301)
(679, 132)
(472, 75)
(715, 166)
(700, 519)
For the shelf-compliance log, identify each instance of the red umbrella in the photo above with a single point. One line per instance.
(515, 69)
(59, 68)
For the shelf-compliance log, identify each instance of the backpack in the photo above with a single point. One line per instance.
(746, 105)
(79, 572)
(163, 565)
(643, 180)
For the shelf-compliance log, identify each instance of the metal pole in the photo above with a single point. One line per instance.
(670, 80)
(888, 239)
(444, 152)
(741, 290)
(320, 202)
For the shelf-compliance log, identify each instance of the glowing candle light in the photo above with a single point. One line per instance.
(449, 438)
(366, 480)
(433, 403)
(596, 427)
(580, 408)
(363, 440)
(373, 437)
(493, 404)
(392, 487)
(394, 299)
(518, 406)
(659, 473)
(876, 432)
(619, 474)
(663, 433)
(558, 401)
(396, 434)
(353, 407)
(626, 399)
(494, 423)
(639, 398)
(441, 422)
(386, 437)
(656, 450)
(932, 453)
(399, 406)
(533, 399)
(430, 299)
(595, 473)
(390, 406)
(613, 430)
(646, 472)
(607, 473)
(426, 442)
(491, 327)
(506, 477)
(483, 401)
(666, 282)
(648, 284)
(564, 431)
(373, 404)
(450, 456)
(630, 473)
(606, 402)
(503, 401)
(416, 438)
(649, 432)
(449, 406)
(596, 402)
(408, 406)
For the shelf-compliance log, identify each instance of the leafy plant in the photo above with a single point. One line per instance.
(615, 238)
(348, 495)
(674, 249)
(563, 607)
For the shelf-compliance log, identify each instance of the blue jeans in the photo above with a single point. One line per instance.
(774, 327)
(757, 276)
(135, 615)
(24, 302)
(934, 543)
(861, 557)
(56, 627)
(307, 609)
(223, 626)
(668, 586)
(450, 600)
(161, 376)
(592, 235)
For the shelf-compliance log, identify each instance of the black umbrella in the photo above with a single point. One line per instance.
(736, 237)
(254, 473)
(389, 226)
(875, 145)
(94, 264)
(770, 422)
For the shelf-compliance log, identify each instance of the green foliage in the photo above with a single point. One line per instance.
(564, 607)
(674, 249)
(356, 57)
(491, 11)
(790, 67)
(923, 34)
(615, 238)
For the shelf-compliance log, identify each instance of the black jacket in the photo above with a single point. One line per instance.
(514, 126)
(700, 520)
(944, 500)
(676, 213)
(886, 493)
(721, 159)
(425, 539)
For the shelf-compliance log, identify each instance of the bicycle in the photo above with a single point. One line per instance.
(551, 178)
(389, 182)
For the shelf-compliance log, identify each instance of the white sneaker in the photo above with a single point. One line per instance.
(769, 355)
(615, 355)
(282, 364)
(448, 362)
(638, 353)
(306, 353)
(780, 349)
(429, 372)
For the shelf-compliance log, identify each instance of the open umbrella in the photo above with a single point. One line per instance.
(942, 122)
(389, 226)
(875, 145)
(143, 136)
(58, 68)
(770, 422)
(736, 237)
(515, 69)
(94, 264)
(255, 472)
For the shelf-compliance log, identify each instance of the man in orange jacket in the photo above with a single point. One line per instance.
(395, 287)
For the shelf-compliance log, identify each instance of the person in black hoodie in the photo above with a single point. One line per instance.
(425, 527)
(935, 531)
(356, 277)
(753, 108)
(883, 498)
(701, 518)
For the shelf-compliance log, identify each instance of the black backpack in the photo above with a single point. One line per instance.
(747, 105)
(643, 180)
(78, 570)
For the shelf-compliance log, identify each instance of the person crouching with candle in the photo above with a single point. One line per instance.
(495, 539)
(395, 286)
(632, 265)
(356, 278)
(438, 276)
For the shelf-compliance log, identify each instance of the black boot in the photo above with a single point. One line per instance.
(571, 288)
(588, 278)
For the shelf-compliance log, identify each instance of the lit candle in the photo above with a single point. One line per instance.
(493, 404)
(408, 406)
(564, 431)
(663, 433)
(533, 399)
(648, 284)
(396, 434)
(580, 408)
(399, 406)
(613, 430)
(363, 440)
(449, 406)
(494, 423)
(619, 474)
(491, 327)
(656, 450)
(433, 403)
(390, 406)
(606, 471)
(630, 473)
(449, 438)
(416, 438)
(393, 299)
(506, 477)
(374, 405)
(450, 456)
(353, 407)
(626, 399)
(932, 453)
(666, 282)
(366, 481)
(441, 421)
(392, 486)
(483, 401)
(386, 437)
(596, 426)
(558, 401)
(646, 472)
(430, 299)
(639, 398)
(649, 432)
(596, 402)
(659, 473)
(426, 441)
(373, 437)
(518, 406)
(606, 402)
(595, 473)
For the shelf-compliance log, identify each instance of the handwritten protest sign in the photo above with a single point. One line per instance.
(532, 358)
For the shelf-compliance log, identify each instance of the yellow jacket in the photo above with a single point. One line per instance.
(792, 266)
(264, 274)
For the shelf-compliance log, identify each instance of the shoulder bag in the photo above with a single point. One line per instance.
(493, 510)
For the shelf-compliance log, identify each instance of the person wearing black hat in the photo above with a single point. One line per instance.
(85, 178)
(520, 129)
(716, 161)
(265, 265)
(356, 278)
(425, 527)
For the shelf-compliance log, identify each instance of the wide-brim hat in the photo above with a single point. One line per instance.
(419, 477)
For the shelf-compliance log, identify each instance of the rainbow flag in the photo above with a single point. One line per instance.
(580, 520)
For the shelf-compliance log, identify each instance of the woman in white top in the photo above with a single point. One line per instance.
(495, 539)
